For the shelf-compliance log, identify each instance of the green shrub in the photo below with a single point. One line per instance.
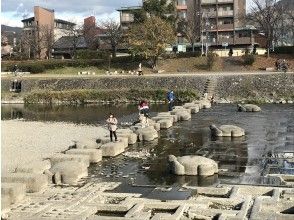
(284, 50)
(248, 59)
(189, 54)
(92, 54)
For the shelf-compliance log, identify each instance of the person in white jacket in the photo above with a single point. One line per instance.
(112, 126)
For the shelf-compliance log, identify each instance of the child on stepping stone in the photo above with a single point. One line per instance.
(112, 126)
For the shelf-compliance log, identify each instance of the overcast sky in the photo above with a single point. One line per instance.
(13, 11)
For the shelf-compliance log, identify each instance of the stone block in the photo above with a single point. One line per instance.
(112, 149)
(165, 123)
(183, 115)
(57, 158)
(192, 165)
(95, 155)
(34, 167)
(70, 171)
(14, 192)
(227, 131)
(122, 139)
(87, 145)
(248, 108)
(147, 133)
(127, 133)
(34, 182)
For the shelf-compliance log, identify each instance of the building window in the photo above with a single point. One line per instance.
(182, 2)
(182, 14)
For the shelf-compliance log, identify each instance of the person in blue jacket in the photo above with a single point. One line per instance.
(171, 99)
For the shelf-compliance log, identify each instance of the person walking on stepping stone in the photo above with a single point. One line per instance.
(112, 126)
(171, 98)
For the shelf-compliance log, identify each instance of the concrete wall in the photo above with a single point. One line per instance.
(261, 85)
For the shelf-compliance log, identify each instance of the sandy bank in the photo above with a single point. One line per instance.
(24, 141)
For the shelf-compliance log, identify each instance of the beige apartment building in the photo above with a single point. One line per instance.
(41, 31)
(219, 22)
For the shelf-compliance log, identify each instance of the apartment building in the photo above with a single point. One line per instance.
(127, 16)
(219, 21)
(41, 30)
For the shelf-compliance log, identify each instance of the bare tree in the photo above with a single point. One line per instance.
(90, 34)
(113, 34)
(266, 14)
(48, 39)
(73, 34)
(190, 30)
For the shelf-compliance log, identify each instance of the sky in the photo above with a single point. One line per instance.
(13, 11)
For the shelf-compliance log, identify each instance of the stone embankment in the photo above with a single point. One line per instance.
(263, 87)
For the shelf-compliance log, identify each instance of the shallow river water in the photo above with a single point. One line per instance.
(269, 140)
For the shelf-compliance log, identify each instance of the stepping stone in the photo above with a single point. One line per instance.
(57, 158)
(34, 182)
(112, 149)
(34, 167)
(165, 123)
(95, 155)
(70, 171)
(14, 192)
(87, 145)
(192, 165)
(227, 131)
(248, 108)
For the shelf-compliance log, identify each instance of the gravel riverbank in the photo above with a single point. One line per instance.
(23, 141)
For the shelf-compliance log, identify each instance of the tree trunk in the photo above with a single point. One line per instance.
(113, 51)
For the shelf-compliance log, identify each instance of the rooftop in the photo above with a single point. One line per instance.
(130, 8)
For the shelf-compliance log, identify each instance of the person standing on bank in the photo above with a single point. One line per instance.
(171, 99)
(112, 126)
(140, 71)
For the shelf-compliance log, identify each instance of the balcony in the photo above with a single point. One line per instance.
(225, 13)
(225, 1)
(243, 40)
(225, 27)
(205, 2)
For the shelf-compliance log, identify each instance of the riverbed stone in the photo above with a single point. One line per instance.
(14, 192)
(95, 155)
(34, 182)
(192, 106)
(155, 125)
(227, 131)
(192, 165)
(112, 149)
(57, 158)
(248, 108)
(34, 167)
(70, 171)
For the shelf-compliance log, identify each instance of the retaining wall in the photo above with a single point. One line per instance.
(227, 86)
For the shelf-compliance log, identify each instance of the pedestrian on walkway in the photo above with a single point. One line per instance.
(171, 99)
(112, 126)
(140, 71)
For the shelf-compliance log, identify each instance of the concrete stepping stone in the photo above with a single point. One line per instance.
(183, 115)
(112, 149)
(165, 123)
(34, 167)
(34, 182)
(57, 158)
(192, 165)
(127, 133)
(95, 155)
(14, 192)
(70, 171)
(121, 139)
(227, 131)
(248, 108)
(87, 145)
(147, 133)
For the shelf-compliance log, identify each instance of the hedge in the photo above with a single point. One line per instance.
(284, 50)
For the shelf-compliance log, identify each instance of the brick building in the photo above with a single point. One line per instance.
(41, 31)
